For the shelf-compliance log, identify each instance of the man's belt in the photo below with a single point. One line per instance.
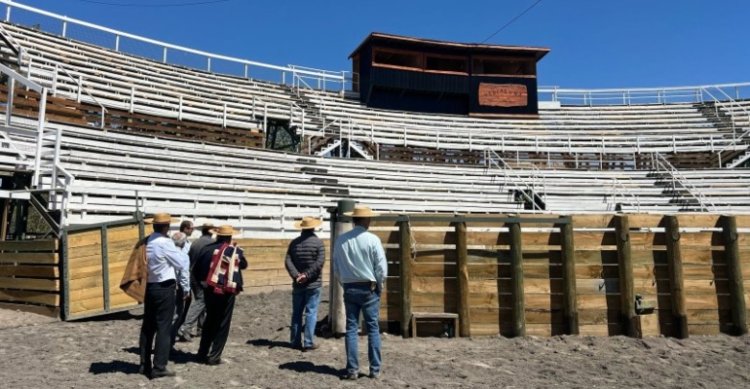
(163, 284)
(369, 284)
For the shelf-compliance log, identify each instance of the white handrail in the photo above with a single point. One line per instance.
(678, 177)
(329, 75)
(491, 158)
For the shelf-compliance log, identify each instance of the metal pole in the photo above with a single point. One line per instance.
(9, 104)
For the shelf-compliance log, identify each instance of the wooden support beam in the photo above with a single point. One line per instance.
(406, 273)
(734, 273)
(516, 260)
(628, 319)
(570, 309)
(676, 282)
(462, 276)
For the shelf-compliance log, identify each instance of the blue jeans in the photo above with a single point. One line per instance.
(307, 300)
(360, 298)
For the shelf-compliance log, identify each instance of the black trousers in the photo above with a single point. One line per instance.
(219, 310)
(157, 320)
(180, 312)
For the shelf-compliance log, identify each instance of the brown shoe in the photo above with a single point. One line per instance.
(310, 348)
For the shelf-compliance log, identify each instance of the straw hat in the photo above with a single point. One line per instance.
(307, 223)
(226, 230)
(361, 211)
(160, 218)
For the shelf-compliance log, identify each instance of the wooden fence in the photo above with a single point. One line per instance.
(589, 274)
(95, 257)
(30, 275)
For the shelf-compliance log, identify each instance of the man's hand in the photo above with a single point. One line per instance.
(301, 278)
(186, 296)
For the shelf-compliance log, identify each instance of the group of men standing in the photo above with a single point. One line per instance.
(175, 268)
(178, 268)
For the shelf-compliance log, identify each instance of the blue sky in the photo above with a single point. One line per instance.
(595, 43)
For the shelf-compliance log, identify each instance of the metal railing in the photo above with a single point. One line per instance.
(80, 90)
(661, 164)
(629, 96)
(618, 190)
(491, 158)
(47, 154)
(323, 78)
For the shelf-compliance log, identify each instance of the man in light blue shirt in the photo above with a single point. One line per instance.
(166, 264)
(360, 265)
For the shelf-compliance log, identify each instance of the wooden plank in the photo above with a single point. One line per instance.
(48, 285)
(29, 271)
(86, 238)
(29, 245)
(30, 258)
(25, 296)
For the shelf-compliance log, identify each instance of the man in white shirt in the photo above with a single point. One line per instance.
(360, 265)
(167, 265)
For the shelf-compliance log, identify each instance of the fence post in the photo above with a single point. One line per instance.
(404, 245)
(676, 282)
(734, 274)
(117, 43)
(339, 225)
(570, 304)
(462, 276)
(516, 263)
(628, 319)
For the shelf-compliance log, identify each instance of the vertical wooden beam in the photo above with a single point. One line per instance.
(4, 219)
(734, 273)
(628, 319)
(105, 268)
(516, 263)
(570, 309)
(462, 259)
(405, 259)
(676, 282)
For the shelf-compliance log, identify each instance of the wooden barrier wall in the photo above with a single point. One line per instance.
(614, 259)
(96, 257)
(30, 275)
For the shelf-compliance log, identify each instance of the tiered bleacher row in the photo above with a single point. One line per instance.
(263, 191)
(129, 83)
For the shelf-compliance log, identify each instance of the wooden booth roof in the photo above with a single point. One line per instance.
(538, 52)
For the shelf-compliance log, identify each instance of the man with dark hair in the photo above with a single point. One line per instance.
(360, 265)
(166, 265)
(181, 305)
(223, 262)
(197, 310)
(304, 263)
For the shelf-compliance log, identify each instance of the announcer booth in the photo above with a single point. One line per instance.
(411, 74)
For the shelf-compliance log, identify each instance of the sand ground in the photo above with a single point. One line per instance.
(102, 353)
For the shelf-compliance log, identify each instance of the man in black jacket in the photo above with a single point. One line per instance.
(304, 262)
(219, 304)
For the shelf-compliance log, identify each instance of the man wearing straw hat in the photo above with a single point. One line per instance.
(304, 263)
(166, 265)
(360, 265)
(218, 268)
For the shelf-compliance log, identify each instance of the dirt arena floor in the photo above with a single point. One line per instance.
(102, 353)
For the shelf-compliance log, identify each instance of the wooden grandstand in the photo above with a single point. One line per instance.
(92, 136)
